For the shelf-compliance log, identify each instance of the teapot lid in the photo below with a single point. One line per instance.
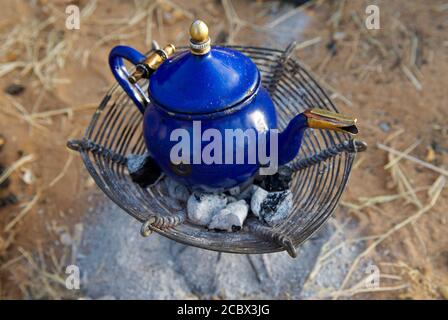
(204, 79)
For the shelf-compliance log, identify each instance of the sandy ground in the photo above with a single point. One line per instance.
(393, 79)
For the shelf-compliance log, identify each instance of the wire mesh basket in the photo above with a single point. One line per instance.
(321, 168)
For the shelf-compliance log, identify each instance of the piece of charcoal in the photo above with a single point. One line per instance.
(201, 207)
(143, 169)
(14, 89)
(276, 207)
(271, 207)
(332, 47)
(8, 200)
(279, 181)
(230, 218)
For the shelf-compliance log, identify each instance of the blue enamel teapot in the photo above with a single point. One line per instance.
(208, 122)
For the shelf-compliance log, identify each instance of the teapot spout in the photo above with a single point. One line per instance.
(290, 139)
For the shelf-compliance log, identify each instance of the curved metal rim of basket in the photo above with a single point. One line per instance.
(272, 242)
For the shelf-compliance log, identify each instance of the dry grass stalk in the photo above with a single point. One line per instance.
(361, 287)
(434, 194)
(40, 48)
(11, 262)
(289, 14)
(161, 29)
(416, 277)
(6, 243)
(335, 18)
(175, 6)
(308, 43)
(411, 77)
(24, 115)
(328, 87)
(414, 50)
(394, 135)
(22, 213)
(63, 172)
(365, 202)
(354, 50)
(68, 111)
(139, 16)
(16, 165)
(374, 42)
(403, 184)
(327, 253)
(44, 282)
(235, 22)
(413, 159)
(407, 151)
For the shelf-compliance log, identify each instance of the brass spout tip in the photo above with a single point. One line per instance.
(323, 119)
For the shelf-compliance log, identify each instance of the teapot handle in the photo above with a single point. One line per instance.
(122, 75)
(145, 67)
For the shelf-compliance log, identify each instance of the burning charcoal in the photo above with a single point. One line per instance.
(231, 218)
(143, 169)
(176, 190)
(14, 89)
(276, 207)
(277, 182)
(271, 207)
(201, 207)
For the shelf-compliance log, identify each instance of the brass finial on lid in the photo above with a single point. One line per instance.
(199, 39)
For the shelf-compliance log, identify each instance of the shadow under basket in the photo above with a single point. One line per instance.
(321, 168)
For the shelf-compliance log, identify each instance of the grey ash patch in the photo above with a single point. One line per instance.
(115, 261)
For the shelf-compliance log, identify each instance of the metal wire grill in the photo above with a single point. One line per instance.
(323, 164)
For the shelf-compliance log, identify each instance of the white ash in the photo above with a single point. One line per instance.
(257, 199)
(176, 190)
(201, 207)
(271, 207)
(230, 218)
(235, 191)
